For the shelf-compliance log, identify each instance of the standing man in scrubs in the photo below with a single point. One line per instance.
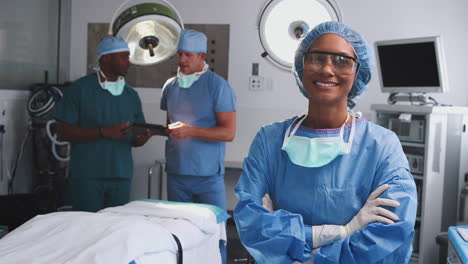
(92, 115)
(340, 186)
(201, 117)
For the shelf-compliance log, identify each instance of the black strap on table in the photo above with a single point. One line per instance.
(180, 252)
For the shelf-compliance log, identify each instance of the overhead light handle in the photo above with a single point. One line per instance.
(149, 43)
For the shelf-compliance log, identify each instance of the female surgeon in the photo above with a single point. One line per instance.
(340, 185)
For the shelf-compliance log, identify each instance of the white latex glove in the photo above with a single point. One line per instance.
(372, 212)
(267, 203)
(369, 213)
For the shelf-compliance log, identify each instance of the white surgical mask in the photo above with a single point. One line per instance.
(316, 152)
(115, 88)
(185, 81)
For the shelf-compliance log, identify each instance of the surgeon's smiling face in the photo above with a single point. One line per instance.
(326, 85)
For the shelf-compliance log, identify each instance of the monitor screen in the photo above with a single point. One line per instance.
(411, 65)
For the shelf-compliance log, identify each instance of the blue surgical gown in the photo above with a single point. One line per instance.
(331, 194)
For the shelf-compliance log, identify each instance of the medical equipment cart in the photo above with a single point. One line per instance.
(435, 141)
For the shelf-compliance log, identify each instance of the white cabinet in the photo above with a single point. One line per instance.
(435, 141)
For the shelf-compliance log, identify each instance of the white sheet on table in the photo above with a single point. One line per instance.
(80, 237)
(206, 253)
(180, 220)
(202, 217)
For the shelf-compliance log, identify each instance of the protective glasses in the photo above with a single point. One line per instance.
(341, 64)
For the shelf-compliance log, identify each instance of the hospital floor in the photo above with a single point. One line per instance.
(236, 253)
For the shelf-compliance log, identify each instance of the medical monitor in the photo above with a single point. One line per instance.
(414, 65)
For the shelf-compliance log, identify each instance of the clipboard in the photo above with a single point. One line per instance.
(140, 128)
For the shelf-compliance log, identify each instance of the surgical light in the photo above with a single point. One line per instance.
(151, 28)
(282, 23)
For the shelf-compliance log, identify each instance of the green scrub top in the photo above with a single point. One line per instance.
(86, 104)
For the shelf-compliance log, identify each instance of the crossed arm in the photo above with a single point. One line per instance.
(281, 236)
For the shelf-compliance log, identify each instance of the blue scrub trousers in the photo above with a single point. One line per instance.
(199, 189)
(92, 195)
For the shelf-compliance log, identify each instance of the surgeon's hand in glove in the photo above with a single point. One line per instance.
(371, 212)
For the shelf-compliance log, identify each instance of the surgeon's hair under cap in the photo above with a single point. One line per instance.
(111, 45)
(356, 40)
(192, 41)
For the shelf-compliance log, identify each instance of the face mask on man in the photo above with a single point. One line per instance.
(185, 81)
(115, 88)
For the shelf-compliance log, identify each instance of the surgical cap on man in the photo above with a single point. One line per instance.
(111, 45)
(192, 41)
(361, 49)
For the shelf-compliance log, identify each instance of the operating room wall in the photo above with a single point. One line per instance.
(377, 20)
(381, 20)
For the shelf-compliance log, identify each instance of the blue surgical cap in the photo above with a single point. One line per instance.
(192, 41)
(111, 45)
(359, 44)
